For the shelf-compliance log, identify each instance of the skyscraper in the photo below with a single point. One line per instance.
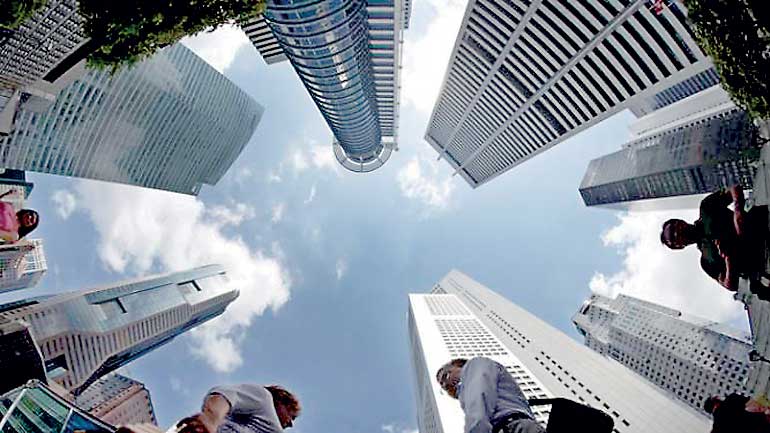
(171, 122)
(462, 318)
(348, 55)
(118, 400)
(526, 75)
(85, 335)
(697, 145)
(22, 264)
(18, 354)
(689, 357)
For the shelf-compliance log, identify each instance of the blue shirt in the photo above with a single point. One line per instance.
(488, 394)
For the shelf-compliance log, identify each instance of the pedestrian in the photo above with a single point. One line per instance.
(15, 225)
(731, 242)
(730, 415)
(489, 396)
(244, 409)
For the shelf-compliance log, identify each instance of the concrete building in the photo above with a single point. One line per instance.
(118, 400)
(462, 318)
(689, 357)
(526, 75)
(171, 122)
(697, 145)
(87, 334)
(348, 55)
(22, 264)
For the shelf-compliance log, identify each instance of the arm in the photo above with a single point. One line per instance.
(736, 192)
(716, 200)
(729, 278)
(215, 409)
(479, 394)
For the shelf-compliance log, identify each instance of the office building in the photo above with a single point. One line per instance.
(698, 145)
(524, 76)
(689, 357)
(87, 334)
(22, 264)
(16, 181)
(118, 400)
(462, 318)
(34, 407)
(348, 55)
(171, 122)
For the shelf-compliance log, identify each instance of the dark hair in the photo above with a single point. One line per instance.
(663, 239)
(284, 398)
(457, 362)
(710, 402)
(24, 230)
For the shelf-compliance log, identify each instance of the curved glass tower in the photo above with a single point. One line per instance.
(346, 53)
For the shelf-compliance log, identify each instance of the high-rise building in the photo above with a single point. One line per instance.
(697, 145)
(16, 181)
(526, 75)
(689, 357)
(87, 334)
(462, 319)
(118, 400)
(170, 122)
(348, 55)
(19, 355)
(22, 264)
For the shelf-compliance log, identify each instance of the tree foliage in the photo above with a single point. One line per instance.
(14, 12)
(127, 31)
(736, 35)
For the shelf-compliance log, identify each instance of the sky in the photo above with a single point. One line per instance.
(324, 258)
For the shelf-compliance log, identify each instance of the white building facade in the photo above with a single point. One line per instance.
(462, 318)
(689, 357)
(22, 264)
(526, 75)
(118, 400)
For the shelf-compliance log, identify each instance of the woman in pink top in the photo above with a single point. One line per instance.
(15, 225)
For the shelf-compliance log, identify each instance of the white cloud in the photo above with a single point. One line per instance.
(65, 201)
(393, 428)
(389, 428)
(274, 177)
(311, 196)
(341, 268)
(277, 213)
(232, 215)
(218, 48)
(142, 229)
(310, 154)
(426, 55)
(655, 273)
(420, 180)
(242, 175)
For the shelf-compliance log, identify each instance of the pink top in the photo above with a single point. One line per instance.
(9, 224)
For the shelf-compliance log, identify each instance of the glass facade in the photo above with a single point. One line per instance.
(171, 122)
(347, 54)
(85, 335)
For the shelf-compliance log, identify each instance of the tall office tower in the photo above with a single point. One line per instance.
(16, 181)
(171, 122)
(526, 75)
(462, 318)
(118, 400)
(689, 357)
(87, 334)
(348, 55)
(697, 145)
(22, 264)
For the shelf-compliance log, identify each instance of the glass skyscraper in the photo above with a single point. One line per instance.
(348, 55)
(171, 122)
(85, 335)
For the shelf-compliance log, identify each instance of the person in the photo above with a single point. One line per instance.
(15, 225)
(730, 415)
(731, 242)
(244, 409)
(489, 396)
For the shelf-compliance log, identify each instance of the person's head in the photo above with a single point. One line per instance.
(286, 405)
(677, 234)
(448, 376)
(28, 220)
(711, 404)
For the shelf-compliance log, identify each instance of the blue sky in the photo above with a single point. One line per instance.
(324, 258)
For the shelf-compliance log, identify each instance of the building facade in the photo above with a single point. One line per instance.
(171, 122)
(348, 55)
(526, 75)
(689, 357)
(22, 264)
(462, 318)
(698, 145)
(118, 400)
(87, 334)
